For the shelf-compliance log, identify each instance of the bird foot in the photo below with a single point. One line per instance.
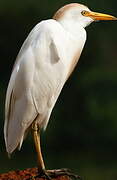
(52, 174)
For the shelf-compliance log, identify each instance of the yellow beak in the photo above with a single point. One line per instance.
(99, 16)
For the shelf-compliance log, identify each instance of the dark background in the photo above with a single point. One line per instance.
(82, 132)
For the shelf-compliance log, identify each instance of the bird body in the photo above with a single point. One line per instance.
(42, 67)
(44, 63)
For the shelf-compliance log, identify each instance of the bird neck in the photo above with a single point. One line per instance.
(71, 26)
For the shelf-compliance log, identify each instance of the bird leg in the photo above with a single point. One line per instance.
(36, 136)
(42, 172)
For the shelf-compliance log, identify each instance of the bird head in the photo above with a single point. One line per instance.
(75, 12)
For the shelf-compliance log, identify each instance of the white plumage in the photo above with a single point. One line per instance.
(44, 63)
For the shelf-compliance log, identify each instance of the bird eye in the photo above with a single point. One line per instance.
(84, 13)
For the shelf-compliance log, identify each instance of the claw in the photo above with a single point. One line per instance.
(50, 174)
(44, 174)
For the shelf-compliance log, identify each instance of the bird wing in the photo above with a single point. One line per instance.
(49, 70)
(20, 110)
(32, 85)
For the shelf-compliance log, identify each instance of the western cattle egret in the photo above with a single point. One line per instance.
(43, 65)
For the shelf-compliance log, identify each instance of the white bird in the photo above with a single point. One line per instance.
(43, 65)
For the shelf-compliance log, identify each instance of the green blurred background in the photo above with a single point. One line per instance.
(82, 132)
